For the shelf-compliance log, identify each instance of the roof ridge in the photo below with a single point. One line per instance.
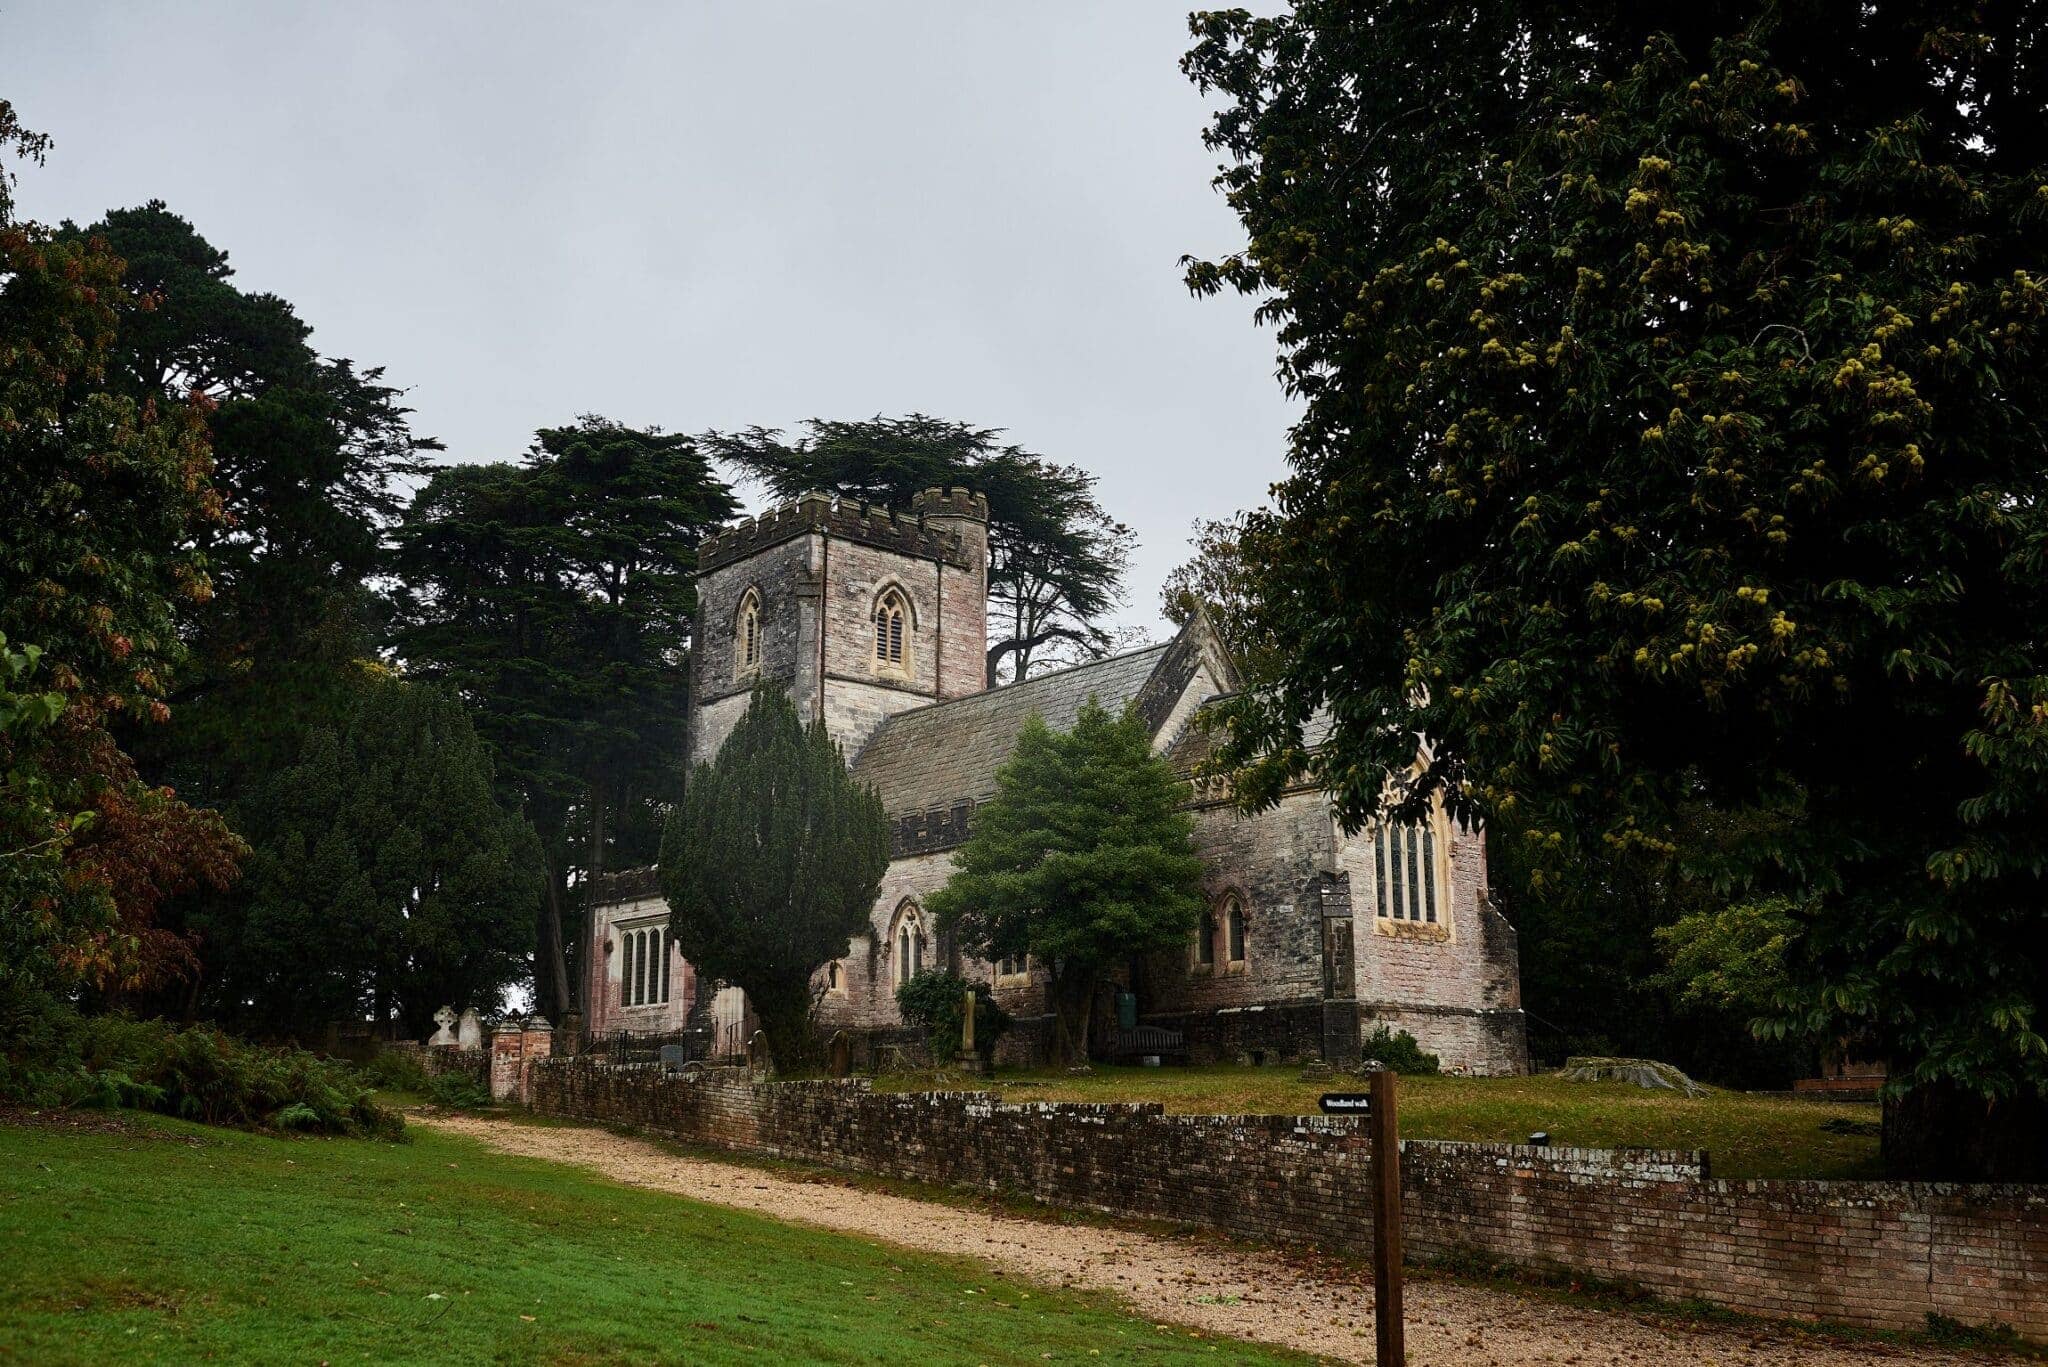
(1011, 687)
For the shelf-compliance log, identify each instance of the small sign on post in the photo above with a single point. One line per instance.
(1377, 1107)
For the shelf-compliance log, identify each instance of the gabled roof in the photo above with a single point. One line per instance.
(930, 765)
(932, 757)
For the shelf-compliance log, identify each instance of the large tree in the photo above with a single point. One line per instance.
(102, 496)
(1674, 388)
(1056, 559)
(1083, 859)
(387, 878)
(311, 458)
(556, 596)
(771, 863)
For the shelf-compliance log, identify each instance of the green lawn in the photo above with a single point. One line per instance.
(150, 1240)
(1747, 1135)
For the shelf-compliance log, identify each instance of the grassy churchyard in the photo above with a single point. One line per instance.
(142, 1239)
(1746, 1134)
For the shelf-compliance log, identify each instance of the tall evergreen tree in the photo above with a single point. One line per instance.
(771, 863)
(1674, 387)
(1083, 859)
(387, 878)
(1056, 559)
(556, 596)
(101, 499)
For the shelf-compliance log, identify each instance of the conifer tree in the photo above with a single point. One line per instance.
(1082, 859)
(771, 863)
(386, 876)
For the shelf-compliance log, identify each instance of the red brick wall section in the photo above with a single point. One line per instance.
(1874, 1254)
(514, 1052)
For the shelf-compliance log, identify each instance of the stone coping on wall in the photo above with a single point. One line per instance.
(1879, 1255)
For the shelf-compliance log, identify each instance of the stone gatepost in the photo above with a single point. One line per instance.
(514, 1050)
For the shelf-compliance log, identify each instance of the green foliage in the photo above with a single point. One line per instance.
(144, 1247)
(771, 863)
(556, 596)
(1733, 959)
(458, 1092)
(1056, 559)
(1398, 1050)
(935, 1000)
(386, 878)
(1083, 859)
(52, 1056)
(1673, 402)
(1219, 580)
(396, 1070)
(104, 499)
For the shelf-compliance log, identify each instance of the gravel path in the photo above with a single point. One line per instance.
(1244, 1293)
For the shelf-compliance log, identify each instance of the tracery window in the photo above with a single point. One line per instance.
(910, 943)
(1405, 873)
(892, 617)
(644, 966)
(747, 633)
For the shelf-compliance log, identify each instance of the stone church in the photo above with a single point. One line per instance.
(876, 621)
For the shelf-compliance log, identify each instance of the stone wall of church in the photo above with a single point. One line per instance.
(1270, 860)
(605, 1011)
(786, 577)
(868, 998)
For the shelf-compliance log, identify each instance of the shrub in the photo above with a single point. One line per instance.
(931, 1000)
(50, 1055)
(1398, 1050)
(458, 1092)
(395, 1070)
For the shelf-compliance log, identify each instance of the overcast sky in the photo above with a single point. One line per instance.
(703, 215)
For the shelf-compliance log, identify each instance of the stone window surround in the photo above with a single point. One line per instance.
(1018, 976)
(835, 978)
(1216, 922)
(890, 595)
(747, 662)
(622, 929)
(908, 916)
(1443, 930)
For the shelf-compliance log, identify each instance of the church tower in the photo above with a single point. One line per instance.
(857, 612)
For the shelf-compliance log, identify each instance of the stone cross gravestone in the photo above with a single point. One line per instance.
(443, 1038)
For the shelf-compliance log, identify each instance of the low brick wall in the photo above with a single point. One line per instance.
(1875, 1254)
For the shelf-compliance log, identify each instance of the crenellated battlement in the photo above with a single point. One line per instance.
(911, 533)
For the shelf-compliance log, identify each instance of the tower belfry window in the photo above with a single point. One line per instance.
(892, 614)
(747, 633)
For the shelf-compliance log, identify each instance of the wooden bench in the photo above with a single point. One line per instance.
(1141, 1041)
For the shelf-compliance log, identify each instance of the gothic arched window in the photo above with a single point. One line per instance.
(1205, 939)
(746, 634)
(1405, 873)
(909, 941)
(892, 627)
(1233, 929)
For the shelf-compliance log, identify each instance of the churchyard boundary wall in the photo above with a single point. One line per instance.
(1880, 1255)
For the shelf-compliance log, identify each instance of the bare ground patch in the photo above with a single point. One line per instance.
(1246, 1293)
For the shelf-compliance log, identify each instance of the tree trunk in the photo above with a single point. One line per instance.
(1939, 1132)
(593, 869)
(1073, 1006)
(551, 971)
(785, 1017)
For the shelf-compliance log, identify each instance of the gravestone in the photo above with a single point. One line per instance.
(841, 1054)
(759, 1062)
(469, 1032)
(444, 1038)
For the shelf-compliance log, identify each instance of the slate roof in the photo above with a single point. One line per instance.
(932, 757)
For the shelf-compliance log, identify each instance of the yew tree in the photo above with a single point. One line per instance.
(771, 863)
(1082, 859)
(1674, 394)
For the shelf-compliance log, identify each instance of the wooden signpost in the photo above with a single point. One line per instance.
(1378, 1107)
